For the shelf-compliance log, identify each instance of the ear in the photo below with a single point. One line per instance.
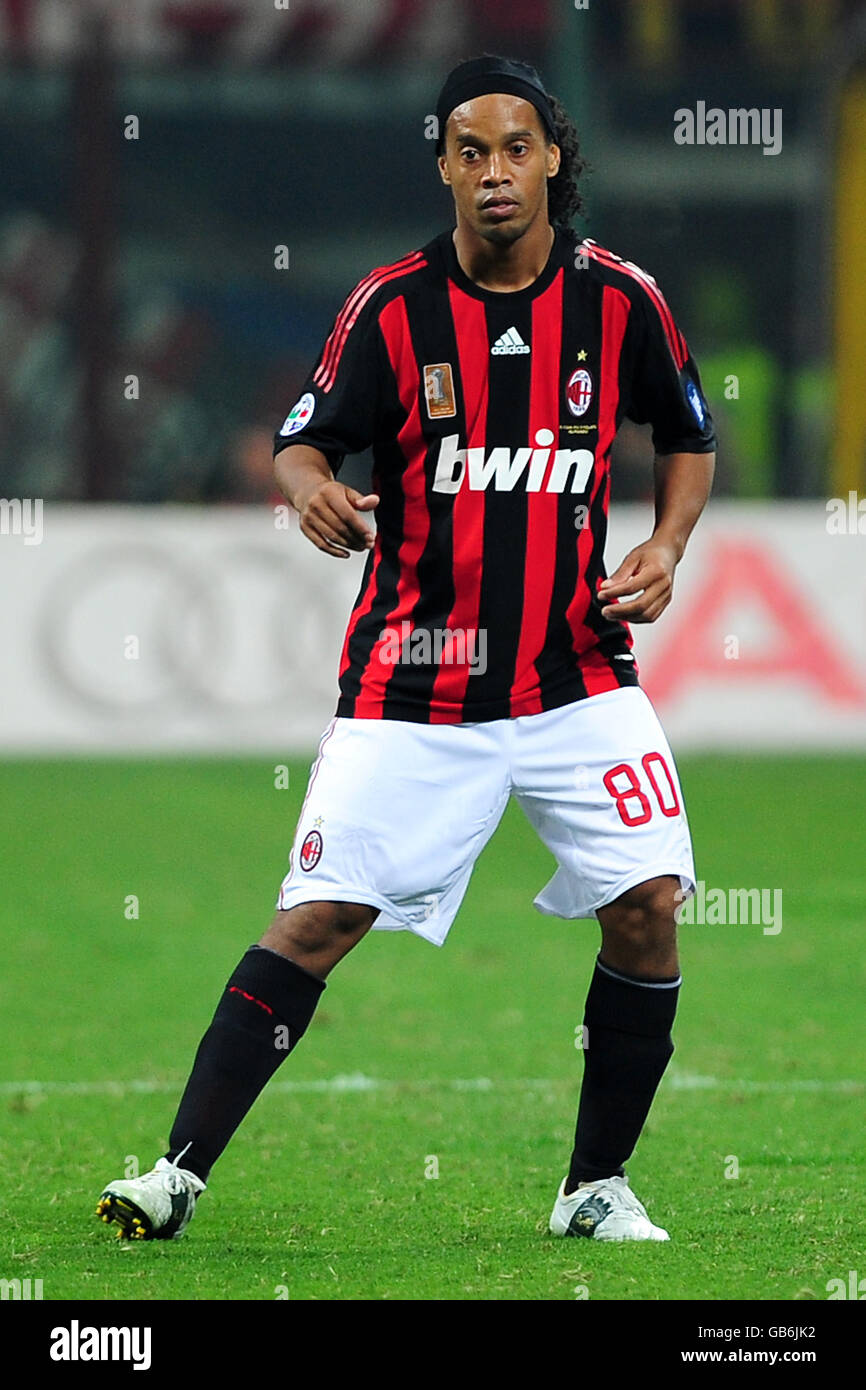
(443, 170)
(554, 159)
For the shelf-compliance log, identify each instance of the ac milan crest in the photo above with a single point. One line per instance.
(578, 392)
(311, 851)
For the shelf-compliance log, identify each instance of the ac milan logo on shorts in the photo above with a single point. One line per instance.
(311, 851)
(578, 392)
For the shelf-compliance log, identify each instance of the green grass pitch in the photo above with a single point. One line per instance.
(327, 1190)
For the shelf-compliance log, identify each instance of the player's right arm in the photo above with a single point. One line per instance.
(329, 512)
(349, 401)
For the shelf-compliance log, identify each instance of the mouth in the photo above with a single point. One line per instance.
(499, 206)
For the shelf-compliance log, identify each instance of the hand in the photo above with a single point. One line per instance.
(329, 518)
(647, 571)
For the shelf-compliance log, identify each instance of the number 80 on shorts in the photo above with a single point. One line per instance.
(634, 805)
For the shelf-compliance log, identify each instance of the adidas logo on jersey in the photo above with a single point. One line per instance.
(510, 343)
(505, 468)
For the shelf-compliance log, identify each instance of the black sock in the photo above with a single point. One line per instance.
(628, 1045)
(265, 1010)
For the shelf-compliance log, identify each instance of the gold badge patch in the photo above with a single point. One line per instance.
(439, 390)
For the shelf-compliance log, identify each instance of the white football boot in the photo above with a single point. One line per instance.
(156, 1206)
(603, 1210)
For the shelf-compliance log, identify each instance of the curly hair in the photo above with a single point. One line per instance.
(564, 201)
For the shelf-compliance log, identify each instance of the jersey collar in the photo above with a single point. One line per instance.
(456, 273)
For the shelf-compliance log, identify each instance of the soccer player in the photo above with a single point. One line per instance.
(487, 655)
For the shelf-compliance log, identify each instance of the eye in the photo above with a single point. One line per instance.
(469, 155)
(519, 148)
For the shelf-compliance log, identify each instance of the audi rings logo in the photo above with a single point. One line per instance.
(132, 630)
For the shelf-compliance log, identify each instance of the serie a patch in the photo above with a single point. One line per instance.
(439, 390)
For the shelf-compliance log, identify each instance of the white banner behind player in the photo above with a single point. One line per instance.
(184, 629)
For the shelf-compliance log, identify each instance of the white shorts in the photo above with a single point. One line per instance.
(396, 813)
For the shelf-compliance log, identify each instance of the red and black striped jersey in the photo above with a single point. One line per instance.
(491, 418)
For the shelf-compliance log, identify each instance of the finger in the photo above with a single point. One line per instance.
(615, 583)
(363, 504)
(336, 526)
(656, 611)
(319, 531)
(627, 584)
(642, 578)
(645, 593)
(636, 610)
(633, 594)
(629, 567)
(322, 542)
(650, 612)
(624, 612)
(345, 512)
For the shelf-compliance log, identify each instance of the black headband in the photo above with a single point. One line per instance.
(480, 76)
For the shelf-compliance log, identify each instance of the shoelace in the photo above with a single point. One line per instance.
(624, 1197)
(171, 1172)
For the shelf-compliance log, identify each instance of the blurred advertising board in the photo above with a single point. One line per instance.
(187, 629)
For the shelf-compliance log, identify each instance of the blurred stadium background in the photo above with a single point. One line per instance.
(189, 189)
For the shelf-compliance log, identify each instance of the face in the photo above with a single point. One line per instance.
(497, 162)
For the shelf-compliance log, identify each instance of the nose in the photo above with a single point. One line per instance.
(494, 174)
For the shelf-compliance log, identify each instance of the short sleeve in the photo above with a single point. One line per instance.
(338, 409)
(666, 387)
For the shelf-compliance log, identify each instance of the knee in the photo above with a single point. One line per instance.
(648, 909)
(318, 927)
(640, 926)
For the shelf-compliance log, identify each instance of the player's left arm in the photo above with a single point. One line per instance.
(682, 487)
(663, 389)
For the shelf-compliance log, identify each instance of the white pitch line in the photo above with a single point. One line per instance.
(689, 1081)
(356, 1082)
